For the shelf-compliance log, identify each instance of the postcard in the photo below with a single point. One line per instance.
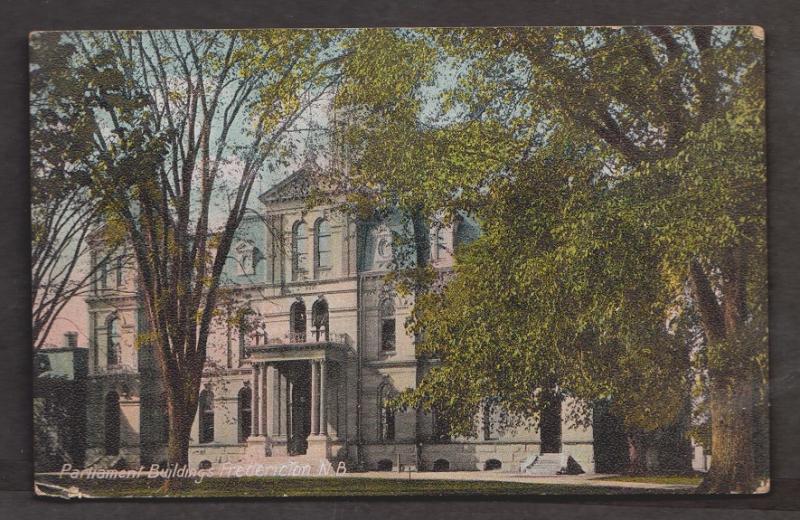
(399, 261)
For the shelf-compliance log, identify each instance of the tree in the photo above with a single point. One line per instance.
(182, 122)
(393, 155)
(680, 112)
(673, 118)
(63, 214)
(559, 293)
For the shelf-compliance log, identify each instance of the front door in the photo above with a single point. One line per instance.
(300, 421)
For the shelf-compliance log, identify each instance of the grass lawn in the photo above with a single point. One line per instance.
(333, 486)
(688, 480)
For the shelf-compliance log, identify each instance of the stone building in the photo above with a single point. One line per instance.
(319, 348)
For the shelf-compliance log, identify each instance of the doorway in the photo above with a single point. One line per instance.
(550, 425)
(299, 426)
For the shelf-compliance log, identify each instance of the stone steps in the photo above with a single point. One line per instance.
(544, 464)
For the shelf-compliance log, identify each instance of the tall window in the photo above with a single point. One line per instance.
(112, 340)
(206, 407)
(245, 413)
(385, 414)
(104, 274)
(119, 271)
(387, 323)
(297, 322)
(95, 273)
(322, 245)
(299, 248)
(112, 414)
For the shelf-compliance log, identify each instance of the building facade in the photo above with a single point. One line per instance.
(309, 348)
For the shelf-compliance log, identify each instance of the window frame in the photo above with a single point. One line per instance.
(388, 319)
(119, 267)
(205, 422)
(299, 257)
(387, 419)
(318, 226)
(245, 412)
(113, 351)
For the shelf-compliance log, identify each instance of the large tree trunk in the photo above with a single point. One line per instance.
(732, 464)
(181, 409)
(730, 371)
(179, 434)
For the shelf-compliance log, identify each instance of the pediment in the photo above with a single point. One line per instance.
(296, 186)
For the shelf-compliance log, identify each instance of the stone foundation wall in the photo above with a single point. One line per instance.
(468, 456)
(374, 454)
(216, 454)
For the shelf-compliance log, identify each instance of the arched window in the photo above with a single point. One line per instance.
(322, 245)
(297, 322)
(245, 412)
(206, 407)
(319, 318)
(385, 414)
(112, 415)
(388, 324)
(492, 464)
(441, 465)
(299, 248)
(112, 340)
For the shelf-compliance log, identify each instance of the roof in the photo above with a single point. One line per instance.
(294, 187)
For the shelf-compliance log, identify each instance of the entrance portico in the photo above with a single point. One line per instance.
(290, 406)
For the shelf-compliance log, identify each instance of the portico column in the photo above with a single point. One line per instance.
(269, 396)
(266, 395)
(255, 421)
(322, 416)
(314, 398)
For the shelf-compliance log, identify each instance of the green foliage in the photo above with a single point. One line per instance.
(171, 129)
(600, 163)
